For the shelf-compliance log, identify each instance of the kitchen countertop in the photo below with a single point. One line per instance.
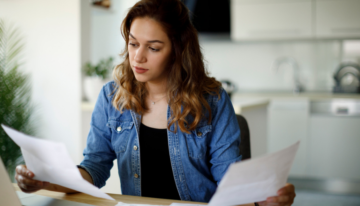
(289, 95)
(241, 105)
(244, 101)
(87, 106)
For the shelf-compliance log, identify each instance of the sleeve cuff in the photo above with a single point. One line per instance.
(84, 168)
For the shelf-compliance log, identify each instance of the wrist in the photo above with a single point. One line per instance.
(51, 187)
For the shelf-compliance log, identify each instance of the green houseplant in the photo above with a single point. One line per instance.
(95, 77)
(15, 107)
(102, 69)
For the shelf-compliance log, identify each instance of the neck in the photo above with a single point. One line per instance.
(157, 89)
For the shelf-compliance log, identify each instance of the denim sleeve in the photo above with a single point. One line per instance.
(224, 147)
(99, 154)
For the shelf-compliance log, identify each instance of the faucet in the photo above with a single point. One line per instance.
(298, 87)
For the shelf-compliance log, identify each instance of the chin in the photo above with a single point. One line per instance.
(140, 78)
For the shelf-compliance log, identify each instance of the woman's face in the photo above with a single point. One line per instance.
(149, 50)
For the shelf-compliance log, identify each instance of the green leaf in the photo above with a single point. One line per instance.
(16, 109)
(102, 69)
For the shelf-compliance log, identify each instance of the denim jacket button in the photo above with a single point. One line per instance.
(136, 175)
(118, 129)
(199, 134)
(135, 147)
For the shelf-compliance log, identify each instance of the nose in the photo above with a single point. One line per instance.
(140, 56)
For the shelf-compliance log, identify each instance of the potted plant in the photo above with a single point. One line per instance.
(15, 105)
(95, 77)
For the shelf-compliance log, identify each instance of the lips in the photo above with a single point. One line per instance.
(140, 70)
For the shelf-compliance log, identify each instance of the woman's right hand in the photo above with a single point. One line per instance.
(25, 181)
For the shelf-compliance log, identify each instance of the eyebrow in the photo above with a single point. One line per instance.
(151, 41)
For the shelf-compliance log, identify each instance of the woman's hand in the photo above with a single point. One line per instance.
(286, 196)
(25, 181)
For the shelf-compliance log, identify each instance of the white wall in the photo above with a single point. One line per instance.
(86, 26)
(106, 39)
(250, 64)
(51, 31)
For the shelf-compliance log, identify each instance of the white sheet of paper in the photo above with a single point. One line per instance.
(50, 162)
(256, 179)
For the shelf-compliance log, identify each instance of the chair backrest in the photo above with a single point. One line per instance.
(245, 150)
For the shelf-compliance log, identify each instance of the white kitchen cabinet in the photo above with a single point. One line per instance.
(271, 19)
(255, 112)
(337, 18)
(288, 123)
(334, 147)
(294, 19)
(257, 122)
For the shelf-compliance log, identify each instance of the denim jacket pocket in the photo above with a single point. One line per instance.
(120, 134)
(197, 143)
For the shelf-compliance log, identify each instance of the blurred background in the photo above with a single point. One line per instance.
(292, 68)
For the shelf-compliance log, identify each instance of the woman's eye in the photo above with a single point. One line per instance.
(153, 49)
(132, 44)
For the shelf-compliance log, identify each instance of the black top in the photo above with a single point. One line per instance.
(157, 177)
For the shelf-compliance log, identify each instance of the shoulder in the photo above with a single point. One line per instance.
(110, 88)
(108, 92)
(219, 103)
(214, 97)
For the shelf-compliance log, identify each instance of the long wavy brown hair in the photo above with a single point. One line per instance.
(188, 79)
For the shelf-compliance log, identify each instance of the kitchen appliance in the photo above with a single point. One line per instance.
(228, 86)
(333, 146)
(347, 78)
(210, 16)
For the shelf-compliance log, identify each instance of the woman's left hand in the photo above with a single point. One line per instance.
(286, 196)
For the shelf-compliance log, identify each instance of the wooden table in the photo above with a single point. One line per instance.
(88, 199)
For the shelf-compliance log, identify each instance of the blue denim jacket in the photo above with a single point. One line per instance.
(199, 160)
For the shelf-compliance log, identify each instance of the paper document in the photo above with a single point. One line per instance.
(256, 179)
(50, 162)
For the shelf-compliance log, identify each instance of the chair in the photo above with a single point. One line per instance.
(245, 150)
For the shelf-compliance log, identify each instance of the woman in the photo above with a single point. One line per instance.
(163, 102)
